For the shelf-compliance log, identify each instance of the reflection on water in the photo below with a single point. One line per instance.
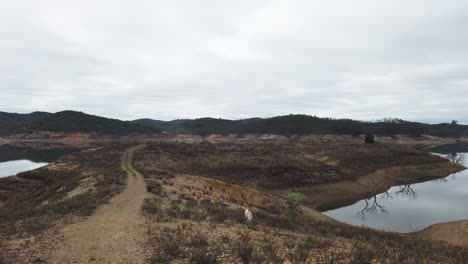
(24, 156)
(15, 159)
(457, 158)
(411, 207)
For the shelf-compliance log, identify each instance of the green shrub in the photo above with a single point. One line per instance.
(369, 138)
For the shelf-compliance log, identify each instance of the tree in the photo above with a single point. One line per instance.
(454, 122)
(369, 138)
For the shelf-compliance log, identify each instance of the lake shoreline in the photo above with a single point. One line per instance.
(331, 196)
(453, 232)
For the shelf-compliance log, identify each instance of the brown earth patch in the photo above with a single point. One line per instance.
(455, 233)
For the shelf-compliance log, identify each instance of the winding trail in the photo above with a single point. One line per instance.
(115, 233)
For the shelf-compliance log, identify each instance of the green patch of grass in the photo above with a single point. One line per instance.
(296, 196)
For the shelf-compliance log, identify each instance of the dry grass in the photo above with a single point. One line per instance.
(204, 214)
(200, 192)
(77, 183)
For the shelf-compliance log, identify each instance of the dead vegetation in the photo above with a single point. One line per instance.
(300, 167)
(199, 193)
(199, 218)
(76, 184)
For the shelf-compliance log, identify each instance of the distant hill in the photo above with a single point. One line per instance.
(10, 121)
(70, 121)
(306, 124)
(200, 126)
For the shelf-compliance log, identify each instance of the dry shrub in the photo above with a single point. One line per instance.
(244, 247)
(167, 247)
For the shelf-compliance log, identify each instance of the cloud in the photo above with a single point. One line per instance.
(236, 59)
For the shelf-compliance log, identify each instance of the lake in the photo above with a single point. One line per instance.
(409, 208)
(15, 159)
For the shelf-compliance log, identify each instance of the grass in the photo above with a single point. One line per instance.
(296, 196)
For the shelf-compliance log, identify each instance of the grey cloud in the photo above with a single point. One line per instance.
(236, 59)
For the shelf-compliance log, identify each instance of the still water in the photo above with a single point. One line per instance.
(409, 208)
(14, 159)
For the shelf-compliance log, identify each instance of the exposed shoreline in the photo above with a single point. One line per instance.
(83, 139)
(330, 196)
(346, 193)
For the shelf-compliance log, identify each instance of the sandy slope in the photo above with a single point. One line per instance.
(455, 233)
(115, 233)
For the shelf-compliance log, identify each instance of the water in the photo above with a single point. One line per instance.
(409, 208)
(9, 168)
(15, 159)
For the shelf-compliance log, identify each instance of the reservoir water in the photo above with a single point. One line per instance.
(14, 159)
(409, 208)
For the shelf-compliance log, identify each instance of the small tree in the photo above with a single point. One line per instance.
(369, 138)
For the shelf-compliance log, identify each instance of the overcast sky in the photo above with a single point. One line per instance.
(235, 59)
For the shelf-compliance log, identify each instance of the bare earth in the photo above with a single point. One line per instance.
(455, 233)
(115, 233)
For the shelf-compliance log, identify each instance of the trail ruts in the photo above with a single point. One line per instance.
(115, 233)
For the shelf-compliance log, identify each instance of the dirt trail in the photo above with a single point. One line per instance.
(115, 233)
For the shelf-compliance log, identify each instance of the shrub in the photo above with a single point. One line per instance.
(198, 240)
(369, 138)
(167, 248)
(150, 206)
(244, 248)
(201, 255)
(361, 253)
(300, 253)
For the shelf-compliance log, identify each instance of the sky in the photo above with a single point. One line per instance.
(165, 60)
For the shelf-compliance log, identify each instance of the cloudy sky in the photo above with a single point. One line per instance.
(234, 59)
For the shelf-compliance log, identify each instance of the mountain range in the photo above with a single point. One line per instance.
(73, 121)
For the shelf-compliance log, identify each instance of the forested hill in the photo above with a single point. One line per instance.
(11, 121)
(306, 124)
(68, 121)
(72, 121)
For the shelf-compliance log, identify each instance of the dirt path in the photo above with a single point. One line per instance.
(115, 233)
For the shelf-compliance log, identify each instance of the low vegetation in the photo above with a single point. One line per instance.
(284, 168)
(199, 198)
(369, 138)
(198, 194)
(75, 184)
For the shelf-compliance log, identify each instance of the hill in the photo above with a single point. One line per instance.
(71, 121)
(9, 121)
(306, 124)
(200, 126)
